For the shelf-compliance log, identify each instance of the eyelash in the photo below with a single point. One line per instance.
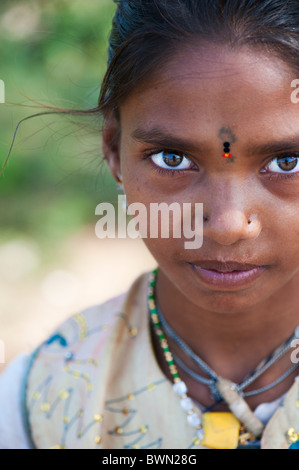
(164, 171)
(283, 176)
(170, 172)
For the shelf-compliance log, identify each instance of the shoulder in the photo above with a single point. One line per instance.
(71, 370)
(283, 428)
(22, 373)
(98, 320)
(91, 322)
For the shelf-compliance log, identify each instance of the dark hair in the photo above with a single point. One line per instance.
(146, 32)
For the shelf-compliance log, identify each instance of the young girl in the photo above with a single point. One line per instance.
(198, 107)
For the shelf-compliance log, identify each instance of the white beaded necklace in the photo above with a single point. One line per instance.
(226, 390)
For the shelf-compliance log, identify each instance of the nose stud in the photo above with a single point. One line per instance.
(206, 218)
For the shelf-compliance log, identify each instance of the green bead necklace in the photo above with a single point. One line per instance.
(194, 416)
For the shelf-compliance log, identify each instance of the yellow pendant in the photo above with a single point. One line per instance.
(221, 430)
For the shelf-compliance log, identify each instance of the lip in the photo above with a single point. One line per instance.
(225, 266)
(227, 275)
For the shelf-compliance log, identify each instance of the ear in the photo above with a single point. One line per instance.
(111, 144)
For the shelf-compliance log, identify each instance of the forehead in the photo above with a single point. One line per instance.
(214, 85)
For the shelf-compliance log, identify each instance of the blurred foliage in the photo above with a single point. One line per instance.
(53, 52)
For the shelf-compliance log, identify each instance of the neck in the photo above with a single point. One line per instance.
(232, 344)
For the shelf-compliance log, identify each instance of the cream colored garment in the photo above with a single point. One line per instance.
(96, 384)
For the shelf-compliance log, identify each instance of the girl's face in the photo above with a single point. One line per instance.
(173, 130)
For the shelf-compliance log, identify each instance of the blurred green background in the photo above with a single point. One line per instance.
(52, 265)
(53, 52)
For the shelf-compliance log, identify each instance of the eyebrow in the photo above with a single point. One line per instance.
(163, 138)
(160, 137)
(274, 147)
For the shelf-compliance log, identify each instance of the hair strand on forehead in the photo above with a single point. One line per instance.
(146, 34)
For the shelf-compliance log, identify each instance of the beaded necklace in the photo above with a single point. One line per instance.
(212, 383)
(222, 389)
(194, 416)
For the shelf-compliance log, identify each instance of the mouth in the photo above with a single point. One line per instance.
(227, 275)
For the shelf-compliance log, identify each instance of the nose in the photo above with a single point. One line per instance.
(230, 216)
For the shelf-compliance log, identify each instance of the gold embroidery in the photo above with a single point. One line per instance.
(80, 320)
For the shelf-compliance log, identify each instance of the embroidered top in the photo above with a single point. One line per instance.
(95, 383)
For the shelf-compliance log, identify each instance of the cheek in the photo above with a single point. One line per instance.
(164, 250)
(137, 188)
(285, 231)
(161, 228)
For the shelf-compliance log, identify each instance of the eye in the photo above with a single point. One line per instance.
(171, 161)
(284, 164)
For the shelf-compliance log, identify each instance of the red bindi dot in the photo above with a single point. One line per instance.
(226, 149)
(227, 155)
